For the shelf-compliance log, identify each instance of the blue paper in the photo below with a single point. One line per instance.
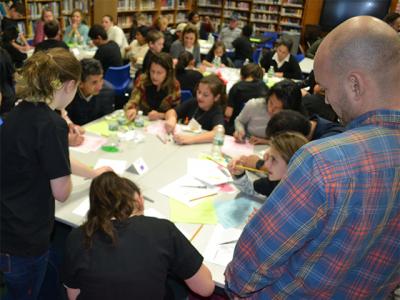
(234, 213)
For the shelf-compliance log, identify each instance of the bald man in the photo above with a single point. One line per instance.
(331, 229)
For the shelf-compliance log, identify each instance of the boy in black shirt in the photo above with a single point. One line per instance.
(51, 30)
(243, 48)
(108, 52)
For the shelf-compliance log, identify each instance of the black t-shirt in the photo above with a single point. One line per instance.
(7, 23)
(208, 119)
(50, 44)
(243, 48)
(81, 111)
(109, 55)
(17, 56)
(210, 58)
(189, 79)
(325, 128)
(34, 150)
(154, 97)
(315, 104)
(290, 69)
(147, 250)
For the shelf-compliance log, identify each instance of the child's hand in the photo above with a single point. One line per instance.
(232, 167)
(153, 115)
(130, 114)
(183, 139)
(239, 136)
(170, 125)
(257, 141)
(75, 139)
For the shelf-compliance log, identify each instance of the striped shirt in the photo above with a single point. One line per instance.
(331, 228)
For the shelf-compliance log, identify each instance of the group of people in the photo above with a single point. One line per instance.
(329, 227)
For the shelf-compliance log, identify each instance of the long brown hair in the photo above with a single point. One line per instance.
(45, 72)
(287, 143)
(111, 196)
(216, 86)
(165, 61)
(189, 28)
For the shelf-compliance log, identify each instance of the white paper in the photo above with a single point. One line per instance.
(82, 208)
(152, 212)
(140, 166)
(208, 171)
(217, 252)
(119, 166)
(186, 189)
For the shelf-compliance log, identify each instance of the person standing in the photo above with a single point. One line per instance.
(330, 229)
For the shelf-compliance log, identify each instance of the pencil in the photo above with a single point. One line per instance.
(197, 232)
(251, 169)
(198, 198)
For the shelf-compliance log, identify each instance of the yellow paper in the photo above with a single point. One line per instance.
(100, 128)
(203, 213)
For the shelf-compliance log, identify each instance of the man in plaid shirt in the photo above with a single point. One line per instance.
(331, 229)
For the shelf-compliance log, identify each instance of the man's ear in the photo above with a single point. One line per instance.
(355, 86)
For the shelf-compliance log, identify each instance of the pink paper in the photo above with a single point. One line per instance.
(233, 149)
(90, 144)
(227, 188)
(157, 128)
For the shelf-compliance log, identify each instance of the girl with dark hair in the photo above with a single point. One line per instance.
(206, 110)
(284, 64)
(156, 91)
(119, 253)
(255, 115)
(216, 57)
(187, 76)
(137, 49)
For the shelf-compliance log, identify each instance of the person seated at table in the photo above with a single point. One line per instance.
(77, 32)
(205, 109)
(253, 118)
(46, 16)
(7, 91)
(393, 19)
(243, 47)
(114, 33)
(188, 42)
(119, 253)
(94, 97)
(156, 91)
(284, 64)
(194, 19)
(178, 31)
(185, 72)
(251, 85)
(161, 24)
(137, 50)
(138, 19)
(276, 159)
(108, 52)
(155, 39)
(52, 32)
(217, 57)
(9, 43)
(231, 32)
(312, 128)
(206, 28)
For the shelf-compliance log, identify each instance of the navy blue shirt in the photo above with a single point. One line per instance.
(325, 128)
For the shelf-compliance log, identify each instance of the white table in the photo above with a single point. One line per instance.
(306, 65)
(166, 162)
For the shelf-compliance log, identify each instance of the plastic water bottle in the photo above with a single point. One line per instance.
(271, 72)
(218, 142)
(246, 62)
(217, 61)
(139, 121)
(210, 38)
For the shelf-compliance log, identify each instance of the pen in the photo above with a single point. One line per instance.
(195, 186)
(228, 242)
(163, 140)
(148, 199)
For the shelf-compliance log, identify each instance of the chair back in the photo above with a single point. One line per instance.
(299, 57)
(257, 55)
(272, 37)
(119, 77)
(186, 95)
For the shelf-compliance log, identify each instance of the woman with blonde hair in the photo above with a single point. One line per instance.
(47, 15)
(77, 32)
(119, 253)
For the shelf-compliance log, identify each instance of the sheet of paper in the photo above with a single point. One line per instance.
(100, 128)
(90, 144)
(208, 171)
(82, 208)
(119, 166)
(204, 213)
(152, 212)
(221, 245)
(233, 149)
(235, 212)
(156, 128)
(188, 190)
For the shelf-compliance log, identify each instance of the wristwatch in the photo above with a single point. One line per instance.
(259, 164)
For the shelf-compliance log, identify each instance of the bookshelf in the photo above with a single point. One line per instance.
(284, 16)
(61, 10)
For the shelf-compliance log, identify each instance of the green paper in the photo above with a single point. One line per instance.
(203, 213)
(111, 149)
(99, 128)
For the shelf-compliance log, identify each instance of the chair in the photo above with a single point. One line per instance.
(186, 95)
(299, 57)
(272, 37)
(120, 78)
(257, 55)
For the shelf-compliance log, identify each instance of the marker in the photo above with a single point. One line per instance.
(194, 186)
